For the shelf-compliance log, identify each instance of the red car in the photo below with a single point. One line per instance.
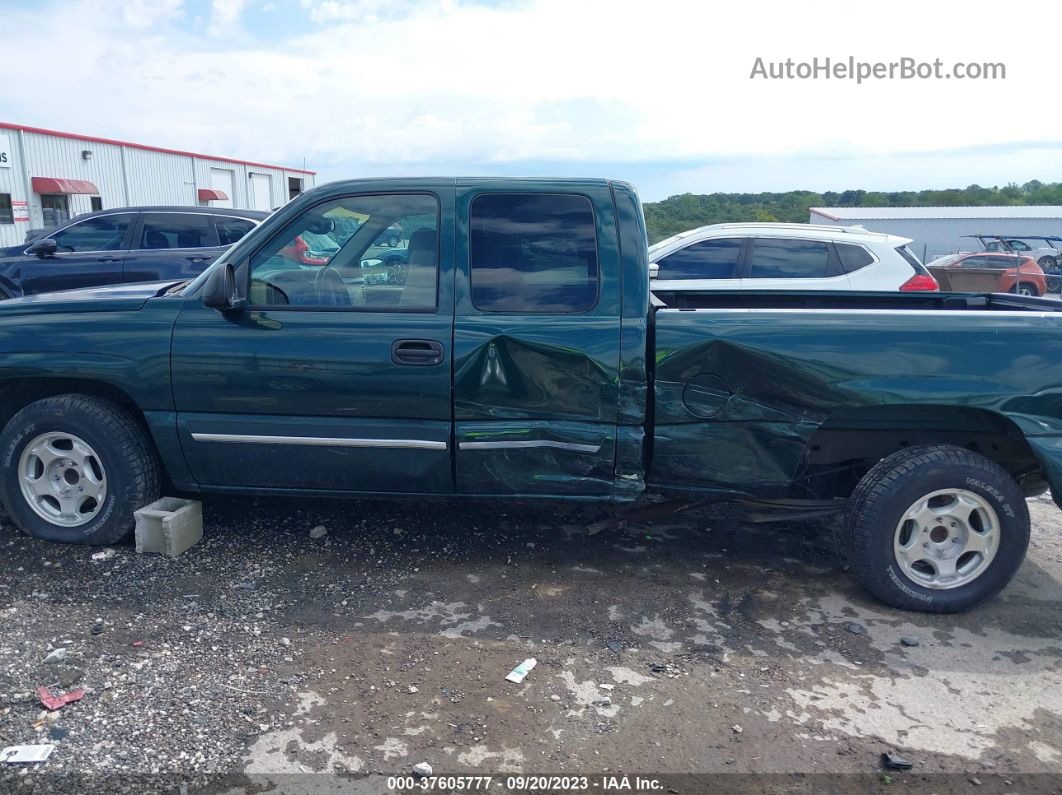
(1019, 275)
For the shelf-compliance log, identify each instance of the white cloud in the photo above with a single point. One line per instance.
(224, 15)
(147, 13)
(393, 84)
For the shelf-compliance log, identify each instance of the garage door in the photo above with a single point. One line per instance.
(262, 191)
(224, 180)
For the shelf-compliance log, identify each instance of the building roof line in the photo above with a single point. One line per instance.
(146, 147)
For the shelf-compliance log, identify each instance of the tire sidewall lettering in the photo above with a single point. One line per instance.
(901, 582)
(989, 490)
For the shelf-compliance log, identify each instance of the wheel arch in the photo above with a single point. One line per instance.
(16, 394)
(852, 440)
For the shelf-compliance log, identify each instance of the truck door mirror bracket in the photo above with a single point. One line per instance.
(220, 291)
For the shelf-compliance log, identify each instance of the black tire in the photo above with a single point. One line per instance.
(1047, 262)
(1025, 288)
(393, 241)
(122, 446)
(895, 484)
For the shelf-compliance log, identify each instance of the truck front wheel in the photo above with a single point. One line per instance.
(74, 468)
(936, 528)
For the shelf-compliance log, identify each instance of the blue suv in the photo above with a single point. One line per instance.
(131, 244)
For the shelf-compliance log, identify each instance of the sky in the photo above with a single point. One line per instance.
(659, 93)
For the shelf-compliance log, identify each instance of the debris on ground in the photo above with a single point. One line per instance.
(55, 656)
(169, 526)
(97, 627)
(614, 645)
(895, 761)
(422, 769)
(105, 554)
(56, 702)
(910, 640)
(15, 754)
(594, 528)
(318, 532)
(736, 729)
(518, 673)
(856, 629)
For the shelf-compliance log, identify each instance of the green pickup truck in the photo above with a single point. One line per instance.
(521, 355)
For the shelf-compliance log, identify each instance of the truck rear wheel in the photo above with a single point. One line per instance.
(74, 468)
(936, 528)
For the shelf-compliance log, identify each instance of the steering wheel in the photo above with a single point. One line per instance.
(330, 288)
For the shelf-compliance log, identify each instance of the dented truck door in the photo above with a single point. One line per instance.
(536, 338)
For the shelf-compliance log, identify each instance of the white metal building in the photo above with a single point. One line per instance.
(940, 230)
(48, 176)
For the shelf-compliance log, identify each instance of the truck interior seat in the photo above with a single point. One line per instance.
(421, 276)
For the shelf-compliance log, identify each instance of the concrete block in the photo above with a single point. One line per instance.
(168, 526)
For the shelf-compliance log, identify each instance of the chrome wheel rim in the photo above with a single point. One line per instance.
(947, 539)
(62, 479)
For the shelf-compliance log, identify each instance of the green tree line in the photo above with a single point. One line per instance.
(689, 210)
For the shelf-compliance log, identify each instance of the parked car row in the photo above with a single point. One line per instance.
(133, 244)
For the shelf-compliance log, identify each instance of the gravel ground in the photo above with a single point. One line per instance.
(693, 644)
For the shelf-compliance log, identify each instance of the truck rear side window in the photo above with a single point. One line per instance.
(533, 253)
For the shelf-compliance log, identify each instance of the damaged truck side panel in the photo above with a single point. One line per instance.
(747, 399)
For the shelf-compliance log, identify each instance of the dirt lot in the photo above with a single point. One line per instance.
(693, 644)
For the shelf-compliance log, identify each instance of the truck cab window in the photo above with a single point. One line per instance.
(340, 254)
(533, 253)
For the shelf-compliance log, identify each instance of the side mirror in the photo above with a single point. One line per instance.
(220, 290)
(654, 270)
(44, 247)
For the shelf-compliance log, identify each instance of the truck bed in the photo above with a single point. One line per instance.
(761, 393)
(842, 299)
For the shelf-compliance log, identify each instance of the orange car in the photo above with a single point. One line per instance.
(1019, 275)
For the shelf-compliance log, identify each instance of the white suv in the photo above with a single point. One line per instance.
(768, 256)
